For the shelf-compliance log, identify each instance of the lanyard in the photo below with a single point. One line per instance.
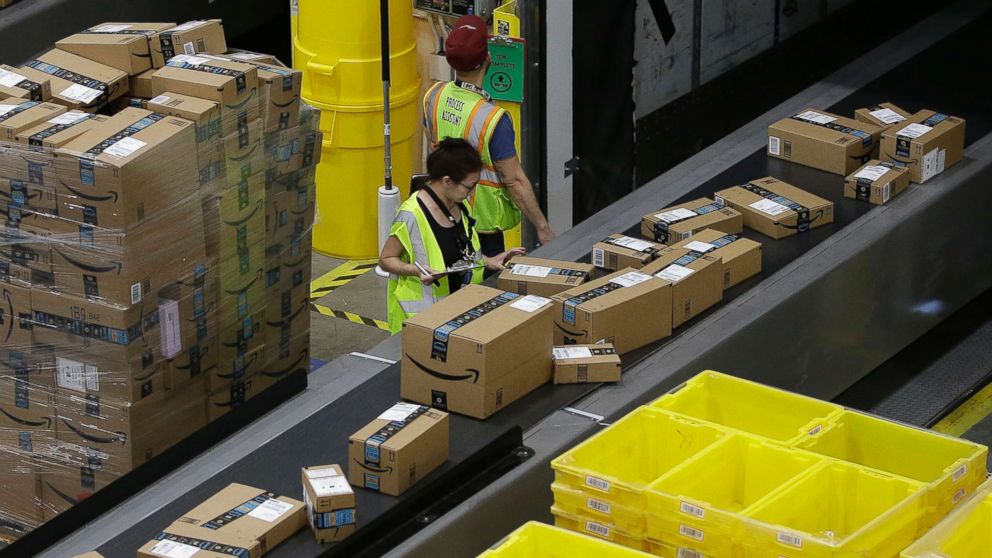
(474, 89)
(464, 244)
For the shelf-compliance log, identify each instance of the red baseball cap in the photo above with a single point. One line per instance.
(467, 45)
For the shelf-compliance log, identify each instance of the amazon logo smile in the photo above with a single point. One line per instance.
(286, 104)
(246, 155)
(91, 268)
(9, 321)
(89, 197)
(258, 206)
(243, 103)
(572, 333)
(373, 468)
(118, 438)
(62, 495)
(472, 373)
(258, 275)
(45, 422)
(289, 319)
(297, 365)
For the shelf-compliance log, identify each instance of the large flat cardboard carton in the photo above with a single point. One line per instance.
(76, 82)
(232, 84)
(119, 45)
(192, 37)
(398, 449)
(542, 277)
(17, 85)
(477, 350)
(17, 115)
(926, 144)
(884, 115)
(619, 251)
(133, 167)
(777, 209)
(626, 308)
(679, 222)
(58, 131)
(586, 364)
(249, 513)
(823, 141)
(330, 503)
(877, 182)
(203, 112)
(180, 539)
(696, 277)
(741, 256)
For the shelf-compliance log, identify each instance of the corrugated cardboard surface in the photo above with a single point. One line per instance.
(741, 258)
(865, 115)
(128, 52)
(409, 455)
(190, 535)
(820, 147)
(725, 219)
(527, 280)
(64, 135)
(880, 190)
(929, 154)
(608, 255)
(601, 365)
(192, 37)
(115, 80)
(319, 504)
(628, 317)
(25, 114)
(783, 224)
(40, 90)
(695, 292)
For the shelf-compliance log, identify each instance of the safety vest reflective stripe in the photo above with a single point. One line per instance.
(430, 111)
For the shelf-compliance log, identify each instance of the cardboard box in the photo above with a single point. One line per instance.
(926, 144)
(823, 141)
(542, 277)
(17, 85)
(192, 365)
(586, 364)
(76, 82)
(285, 359)
(13, 273)
(249, 513)
(189, 38)
(119, 45)
(696, 277)
(19, 200)
(741, 256)
(611, 309)
(232, 395)
(202, 112)
(232, 84)
(17, 115)
(286, 312)
(290, 215)
(777, 209)
(330, 503)
(141, 85)
(476, 351)
(877, 182)
(249, 56)
(397, 449)
(240, 296)
(26, 249)
(90, 555)
(244, 152)
(65, 483)
(115, 182)
(16, 319)
(618, 251)
(679, 222)
(180, 539)
(279, 92)
(884, 115)
(291, 149)
(58, 131)
(20, 498)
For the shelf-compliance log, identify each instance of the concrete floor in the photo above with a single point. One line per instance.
(332, 337)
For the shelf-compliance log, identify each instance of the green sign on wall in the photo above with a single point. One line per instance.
(505, 78)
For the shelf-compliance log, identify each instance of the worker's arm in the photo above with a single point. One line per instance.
(522, 192)
(391, 260)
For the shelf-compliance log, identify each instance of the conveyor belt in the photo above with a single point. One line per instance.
(939, 77)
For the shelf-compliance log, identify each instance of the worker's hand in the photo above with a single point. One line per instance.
(427, 279)
(546, 235)
(499, 261)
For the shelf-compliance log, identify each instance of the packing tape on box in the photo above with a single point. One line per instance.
(373, 455)
(553, 270)
(200, 64)
(571, 305)
(17, 110)
(661, 233)
(332, 519)
(818, 119)
(263, 506)
(176, 545)
(97, 90)
(35, 88)
(803, 219)
(625, 242)
(439, 348)
(66, 121)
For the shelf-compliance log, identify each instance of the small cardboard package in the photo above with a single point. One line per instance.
(542, 277)
(696, 277)
(741, 256)
(885, 115)
(17, 115)
(190, 38)
(823, 141)
(330, 503)
(119, 45)
(58, 131)
(777, 209)
(17, 85)
(618, 251)
(77, 82)
(477, 350)
(626, 308)
(679, 222)
(926, 144)
(877, 182)
(586, 364)
(397, 449)
(232, 84)
(180, 539)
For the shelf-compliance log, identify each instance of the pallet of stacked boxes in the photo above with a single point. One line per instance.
(142, 296)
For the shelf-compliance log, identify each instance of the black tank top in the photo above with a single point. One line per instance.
(447, 241)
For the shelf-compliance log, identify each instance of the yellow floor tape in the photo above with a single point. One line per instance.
(354, 318)
(970, 413)
(339, 277)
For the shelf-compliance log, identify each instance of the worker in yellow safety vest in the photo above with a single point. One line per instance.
(463, 109)
(433, 247)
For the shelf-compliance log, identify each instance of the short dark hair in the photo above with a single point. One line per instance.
(454, 158)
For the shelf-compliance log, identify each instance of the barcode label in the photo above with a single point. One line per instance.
(598, 529)
(815, 430)
(598, 257)
(135, 293)
(691, 532)
(789, 539)
(720, 201)
(689, 553)
(960, 472)
(689, 509)
(189, 48)
(598, 484)
(598, 505)
(886, 192)
(959, 495)
(774, 145)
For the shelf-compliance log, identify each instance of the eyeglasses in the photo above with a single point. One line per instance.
(468, 187)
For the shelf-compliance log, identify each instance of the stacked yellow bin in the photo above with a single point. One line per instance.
(725, 467)
(536, 540)
(965, 533)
